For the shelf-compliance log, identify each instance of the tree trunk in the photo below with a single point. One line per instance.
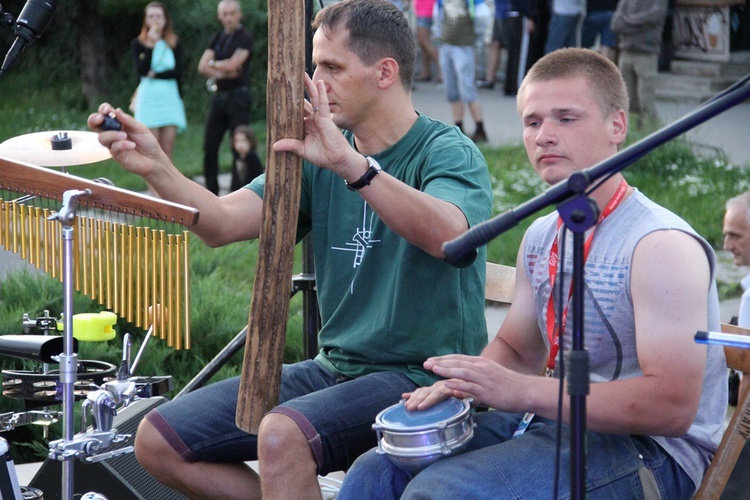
(94, 66)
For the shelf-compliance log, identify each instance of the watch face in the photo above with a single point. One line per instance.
(374, 165)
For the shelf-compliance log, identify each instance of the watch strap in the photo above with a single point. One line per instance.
(373, 170)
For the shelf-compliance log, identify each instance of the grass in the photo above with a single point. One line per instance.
(674, 175)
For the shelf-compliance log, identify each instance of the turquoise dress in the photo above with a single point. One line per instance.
(158, 102)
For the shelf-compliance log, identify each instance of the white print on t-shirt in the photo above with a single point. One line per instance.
(360, 240)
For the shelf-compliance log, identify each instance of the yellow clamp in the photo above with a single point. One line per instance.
(92, 327)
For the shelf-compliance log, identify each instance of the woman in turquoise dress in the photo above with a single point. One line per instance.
(159, 62)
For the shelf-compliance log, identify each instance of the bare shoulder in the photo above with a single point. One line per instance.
(670, 243)
(670, 256)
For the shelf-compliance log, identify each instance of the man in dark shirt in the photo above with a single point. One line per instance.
(226, 63)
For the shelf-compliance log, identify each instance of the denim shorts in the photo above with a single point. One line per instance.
(335, 413)
(424, 22)
(458, 65)
(617, 466)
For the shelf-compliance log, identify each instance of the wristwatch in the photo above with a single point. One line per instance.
(365, 179)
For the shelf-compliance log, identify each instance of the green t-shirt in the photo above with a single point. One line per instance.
(385, 304)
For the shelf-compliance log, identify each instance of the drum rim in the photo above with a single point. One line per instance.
(379, 425)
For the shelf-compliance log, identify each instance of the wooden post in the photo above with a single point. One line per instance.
(269, 307)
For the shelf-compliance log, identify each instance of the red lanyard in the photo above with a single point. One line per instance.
(553, 331)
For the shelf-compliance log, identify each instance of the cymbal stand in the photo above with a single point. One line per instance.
(68, 359)
(86, 445)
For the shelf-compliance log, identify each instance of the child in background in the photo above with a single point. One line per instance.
(246, 164)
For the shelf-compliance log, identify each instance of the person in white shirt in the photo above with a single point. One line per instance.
(737, 241)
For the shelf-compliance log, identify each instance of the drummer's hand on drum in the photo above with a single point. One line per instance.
(134, 147)
(482, 379)
(424, 397)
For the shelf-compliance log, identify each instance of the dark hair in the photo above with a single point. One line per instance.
(248, 133)
(377, 29)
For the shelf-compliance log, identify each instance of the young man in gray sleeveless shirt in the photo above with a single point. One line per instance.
(657, 399)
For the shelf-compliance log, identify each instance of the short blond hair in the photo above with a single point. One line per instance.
(602, 75)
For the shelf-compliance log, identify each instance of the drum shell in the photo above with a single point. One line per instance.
(416, 447)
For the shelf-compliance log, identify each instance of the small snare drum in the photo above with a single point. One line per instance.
(413, 440)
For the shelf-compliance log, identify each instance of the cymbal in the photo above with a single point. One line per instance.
(36, 148)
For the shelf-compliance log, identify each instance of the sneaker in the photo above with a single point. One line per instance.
(485, 84)
(479, 136)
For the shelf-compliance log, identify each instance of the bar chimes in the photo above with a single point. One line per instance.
(130, 250)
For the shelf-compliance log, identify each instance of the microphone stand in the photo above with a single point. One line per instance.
(33, 20)
(579, 214)
(576, 211)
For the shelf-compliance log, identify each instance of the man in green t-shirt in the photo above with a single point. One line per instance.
(379, 200)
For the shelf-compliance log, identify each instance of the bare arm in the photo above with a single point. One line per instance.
(518, 346)
(203, 67)
(670, 305)
(225, 68)
(421, 219)
(230, 218)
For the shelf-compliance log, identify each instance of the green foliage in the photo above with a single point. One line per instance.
(513, 182)
(53, 63)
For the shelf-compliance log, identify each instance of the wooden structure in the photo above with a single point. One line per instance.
(269, 307)
(738, 430)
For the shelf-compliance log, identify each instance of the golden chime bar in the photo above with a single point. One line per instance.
(130, 250)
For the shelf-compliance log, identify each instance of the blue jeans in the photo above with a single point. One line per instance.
(336, 414)
(594, 23)
(563, 32)
(458, 64)
(495, 466)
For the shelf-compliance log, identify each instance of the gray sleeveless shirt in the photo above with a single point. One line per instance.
(609, 326)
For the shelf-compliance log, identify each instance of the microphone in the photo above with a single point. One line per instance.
(32, 21)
